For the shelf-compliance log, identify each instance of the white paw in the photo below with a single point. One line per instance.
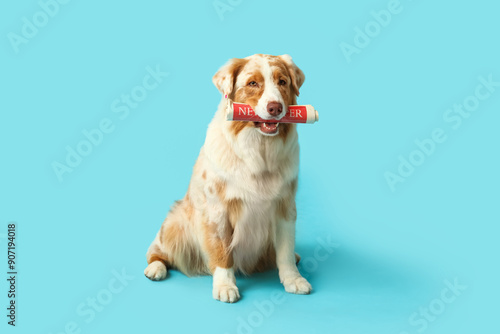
(298, 285)
(226, 293)
(156, 271)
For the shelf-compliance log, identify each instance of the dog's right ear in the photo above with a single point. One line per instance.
(225, 78)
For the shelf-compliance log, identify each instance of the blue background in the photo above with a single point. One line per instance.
(395, 248)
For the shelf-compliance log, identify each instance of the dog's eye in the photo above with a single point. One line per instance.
(282, 82)
(252, 84)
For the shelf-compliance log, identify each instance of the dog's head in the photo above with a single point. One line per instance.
(269, 84)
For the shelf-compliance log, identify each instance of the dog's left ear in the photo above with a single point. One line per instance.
(225, 78)
(296, 73)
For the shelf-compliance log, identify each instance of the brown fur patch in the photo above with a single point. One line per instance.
(219, 257)
(204, 175)
(155, 257)
(235, 69)
(220, 188)
(287, 92)
(248, 95)
(217, 244)
(281, 70)
(182, 253)
(173, 234)
(230, 72)
(296, 75)
(237, 126)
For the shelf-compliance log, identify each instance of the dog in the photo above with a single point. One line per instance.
(239, 212)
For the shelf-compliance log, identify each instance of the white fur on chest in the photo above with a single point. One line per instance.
(252, 233)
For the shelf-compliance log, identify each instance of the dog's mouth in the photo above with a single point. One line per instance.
(268, 129)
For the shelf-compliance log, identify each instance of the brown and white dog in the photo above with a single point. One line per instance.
(239, 212)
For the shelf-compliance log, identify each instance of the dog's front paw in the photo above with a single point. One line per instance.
(226, 293)
(156, 271)
(298, 285)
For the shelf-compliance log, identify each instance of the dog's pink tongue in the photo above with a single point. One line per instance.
(268, 127)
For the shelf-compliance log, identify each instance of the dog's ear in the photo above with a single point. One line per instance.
(225, 78)
(296, 73)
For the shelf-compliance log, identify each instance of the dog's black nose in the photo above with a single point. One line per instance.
(274, 108)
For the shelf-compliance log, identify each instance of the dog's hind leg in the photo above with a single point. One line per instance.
(157, 261)
(175, 247)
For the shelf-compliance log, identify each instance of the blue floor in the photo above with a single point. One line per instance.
(399, 186)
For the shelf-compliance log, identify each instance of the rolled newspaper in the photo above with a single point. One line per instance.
(296, 114)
